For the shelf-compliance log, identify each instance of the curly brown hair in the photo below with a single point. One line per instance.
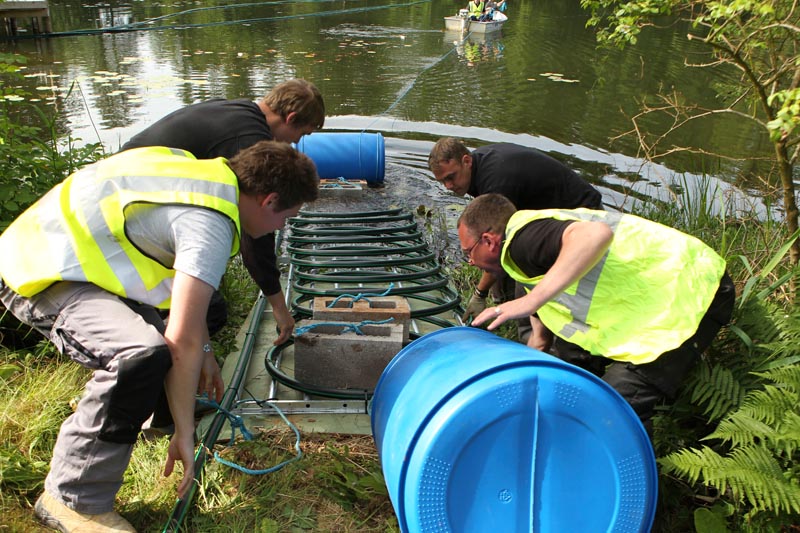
(272, 166)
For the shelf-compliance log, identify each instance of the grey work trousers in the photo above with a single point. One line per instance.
(122, 342)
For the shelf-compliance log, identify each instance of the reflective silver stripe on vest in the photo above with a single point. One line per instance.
(71, 268)
(579, 303)
(124, 269)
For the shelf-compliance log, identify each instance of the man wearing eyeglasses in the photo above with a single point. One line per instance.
(526, 176)
(632, 301)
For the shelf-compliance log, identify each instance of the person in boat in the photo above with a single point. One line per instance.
(488, 14)
(632, 301)
(221, 128)
(476, 9)
(90, 264)
(526, 176)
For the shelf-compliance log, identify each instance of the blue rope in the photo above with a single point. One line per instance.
(346, 326)
(238, 423)
(364, 295)
(340, 183)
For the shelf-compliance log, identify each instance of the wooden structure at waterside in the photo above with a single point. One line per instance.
(37, 11)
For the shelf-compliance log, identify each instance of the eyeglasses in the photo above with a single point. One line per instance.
(467, 253)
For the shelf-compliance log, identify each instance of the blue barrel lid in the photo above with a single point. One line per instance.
(477, 433)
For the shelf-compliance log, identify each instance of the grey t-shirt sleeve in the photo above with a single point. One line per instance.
(191, 240)
(204, 240)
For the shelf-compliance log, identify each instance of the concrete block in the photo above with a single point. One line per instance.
(340, 188)
(326, 356)
(376, 308)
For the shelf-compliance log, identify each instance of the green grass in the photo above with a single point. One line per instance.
(337, 486)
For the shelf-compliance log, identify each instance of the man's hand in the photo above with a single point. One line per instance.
(283, 317)
(476, 304)
(181, 448)
(210, 378)
(521, 307)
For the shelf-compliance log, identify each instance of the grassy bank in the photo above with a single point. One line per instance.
(727, 447)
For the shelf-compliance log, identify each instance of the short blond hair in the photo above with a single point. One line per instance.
(300, 97)
(444, 150)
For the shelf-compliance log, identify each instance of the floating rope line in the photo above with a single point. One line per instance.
(413, 82)
(136, 27)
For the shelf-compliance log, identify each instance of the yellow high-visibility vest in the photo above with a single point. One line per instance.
(644, 297)
(76, 232)
(476, 10)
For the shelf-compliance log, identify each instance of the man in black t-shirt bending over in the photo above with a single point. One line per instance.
(529, 178)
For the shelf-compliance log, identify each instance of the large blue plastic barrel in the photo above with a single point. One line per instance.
(477, 433)
(354, 156)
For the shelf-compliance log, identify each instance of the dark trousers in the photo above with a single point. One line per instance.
(506, 289)
(643, 386)
(216, 318)
(217, 315)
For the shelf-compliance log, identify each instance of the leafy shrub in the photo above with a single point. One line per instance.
(31, 161)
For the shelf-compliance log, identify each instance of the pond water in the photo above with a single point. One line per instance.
(112, 68)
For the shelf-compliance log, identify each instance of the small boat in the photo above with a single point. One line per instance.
(462, 23)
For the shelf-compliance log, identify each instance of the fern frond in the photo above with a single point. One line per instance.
(690, 463)
(770, 404)
(787, 375)
(787, 440)
(717, 390)
(767, 416)
(751, 473)
(740, 429)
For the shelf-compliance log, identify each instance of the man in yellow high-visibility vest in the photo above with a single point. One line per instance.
(221, 128)
(630, 300)
(90, 264)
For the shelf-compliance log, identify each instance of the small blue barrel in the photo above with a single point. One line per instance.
(477, 433)
(355, 156)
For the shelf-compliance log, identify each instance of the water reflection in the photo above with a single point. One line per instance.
(391, 63)
(625, 182)
(475, 48)
(110, 16)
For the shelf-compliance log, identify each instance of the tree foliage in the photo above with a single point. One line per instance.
(759, 39)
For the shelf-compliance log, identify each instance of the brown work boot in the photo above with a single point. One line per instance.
(58, 516)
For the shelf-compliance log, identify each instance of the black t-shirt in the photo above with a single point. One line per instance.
(214, 128)
(220, 128)
(529, 178)
(535, 248)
